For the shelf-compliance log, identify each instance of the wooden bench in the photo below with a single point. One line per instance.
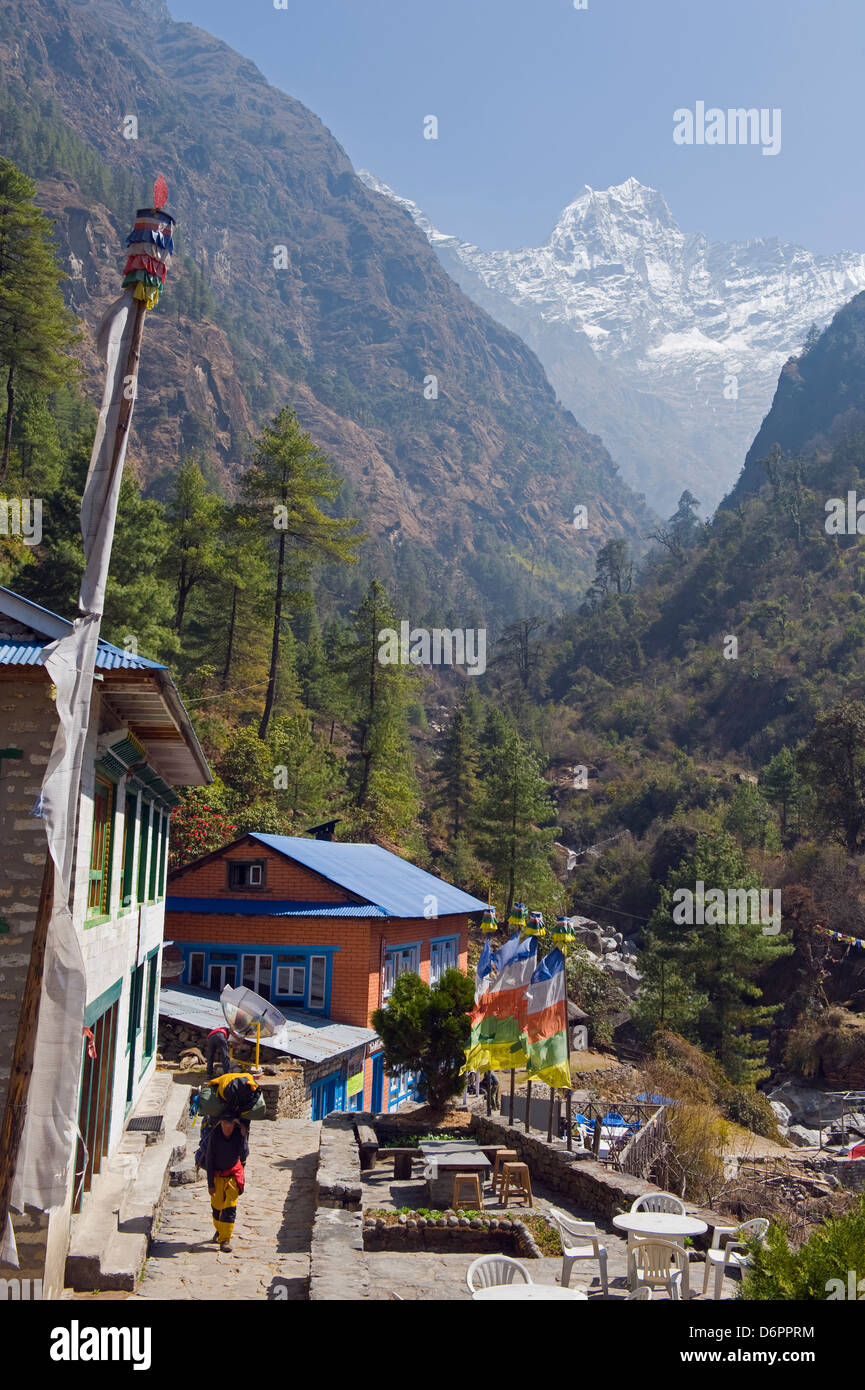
(402, 1161)
(367, 1143)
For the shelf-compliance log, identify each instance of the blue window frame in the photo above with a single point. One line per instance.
(444, 953)
(396, 960)
(311, 967)
(401, 1085)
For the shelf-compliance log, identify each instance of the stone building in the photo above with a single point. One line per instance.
(141, 745)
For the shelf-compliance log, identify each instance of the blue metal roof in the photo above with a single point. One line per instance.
(108, 657)
(270, 907)
(393, 884)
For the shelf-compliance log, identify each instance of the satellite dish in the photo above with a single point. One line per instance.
(243, 1010)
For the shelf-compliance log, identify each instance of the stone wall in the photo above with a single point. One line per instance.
(451, 1236)
(338, 1182)
(591, 1186)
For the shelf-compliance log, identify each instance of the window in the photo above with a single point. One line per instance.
(150, 1024)
(442, 956)
(395, 962)
(163, 850)
(222, 975)
(246, 874)
(291, 980)
(257, 972)
(100, 850)
(317, 981)
(129, 822)
(195, 972)
(156, 817)
(143, 837)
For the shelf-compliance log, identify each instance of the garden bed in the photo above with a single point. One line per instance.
(528, 1235)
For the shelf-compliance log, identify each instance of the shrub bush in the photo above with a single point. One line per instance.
(781, 1274)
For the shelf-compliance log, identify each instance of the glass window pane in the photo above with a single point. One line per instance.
(317, 977)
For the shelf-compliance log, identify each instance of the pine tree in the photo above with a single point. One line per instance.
(781, 783)
(193, 515)
(514, 805)
(383, 791)
(286, 480)
(457, 772)
(36, 329)
(711, 969)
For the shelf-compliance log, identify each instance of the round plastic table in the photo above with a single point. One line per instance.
(668, 1225)
(526, 1293)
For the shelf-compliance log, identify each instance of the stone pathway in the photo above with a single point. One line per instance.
(270, 1246)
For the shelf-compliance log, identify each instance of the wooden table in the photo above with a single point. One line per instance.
(445, 1157)
(664, 1225)
(527, 1293)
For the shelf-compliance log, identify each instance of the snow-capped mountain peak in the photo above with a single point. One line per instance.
(699, 328)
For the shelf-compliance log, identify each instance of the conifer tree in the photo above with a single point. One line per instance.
(287, 479)
(193, 515)
(36, 329)
(457, 771)
(707, 972)
(515, 803)
(381, 780)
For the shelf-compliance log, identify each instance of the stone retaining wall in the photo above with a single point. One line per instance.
(451, 1237)
(591, 1186)
(337, 1182)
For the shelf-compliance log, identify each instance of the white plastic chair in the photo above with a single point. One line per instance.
(660, 1264)
(735, 1254)
(641, 1295)
(659, 1201)
(581, 1230)
(491, 1270)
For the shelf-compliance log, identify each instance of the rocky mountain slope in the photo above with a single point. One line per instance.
(667, 344)
(296, 283)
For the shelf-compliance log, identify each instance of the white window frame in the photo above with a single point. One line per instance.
(223, 966)
(257, 971)
(310, 1003)
(255, 875)
(449, 948)
(396, 960)
(296, 990)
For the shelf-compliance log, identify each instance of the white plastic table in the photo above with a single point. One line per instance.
(526, 1293)
(666, 1225)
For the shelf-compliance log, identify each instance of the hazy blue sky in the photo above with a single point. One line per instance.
(536, 99)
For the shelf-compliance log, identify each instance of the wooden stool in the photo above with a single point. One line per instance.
(503, 1156)
(516, 1176)
(473, 1183)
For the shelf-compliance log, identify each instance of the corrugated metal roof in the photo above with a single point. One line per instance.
(263, 907)
(305, 1035)
(373, 873)
(108, 657)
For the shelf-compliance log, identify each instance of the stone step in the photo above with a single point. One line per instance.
(122, 1261)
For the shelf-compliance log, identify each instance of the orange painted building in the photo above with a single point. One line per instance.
(322, 929)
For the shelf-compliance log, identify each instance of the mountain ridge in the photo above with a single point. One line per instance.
(469, 498)
(699, 327)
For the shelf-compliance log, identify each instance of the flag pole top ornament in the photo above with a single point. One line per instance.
(535, 925)
(517, 919)
(563, 934)
(489, 921)
(150, 248)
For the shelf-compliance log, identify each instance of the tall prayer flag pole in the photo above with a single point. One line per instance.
(40, 1119)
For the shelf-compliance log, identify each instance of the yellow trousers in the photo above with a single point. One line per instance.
(223, 1201)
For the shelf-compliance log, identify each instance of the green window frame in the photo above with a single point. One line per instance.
(150, 1016)
(145, 820)
(129, 824)
(135, 996)
(156, 831)
(163, 851)
(99, 888)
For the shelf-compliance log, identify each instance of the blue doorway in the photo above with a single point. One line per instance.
(327, 1095)
(377, 1090)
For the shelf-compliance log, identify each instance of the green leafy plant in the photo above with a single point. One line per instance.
(779, 1273)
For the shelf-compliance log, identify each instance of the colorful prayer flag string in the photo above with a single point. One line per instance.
(839, 936)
